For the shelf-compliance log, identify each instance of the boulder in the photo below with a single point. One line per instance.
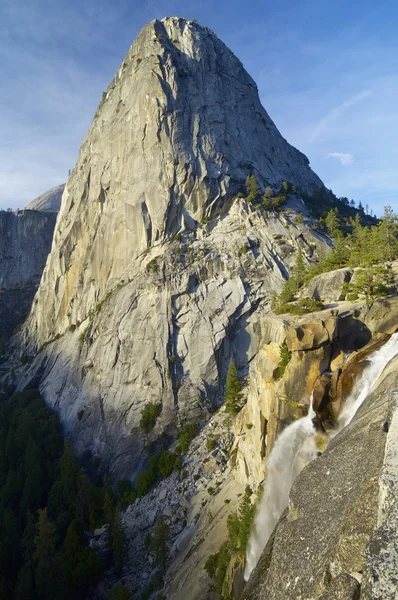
(307, 335)
(329, 287)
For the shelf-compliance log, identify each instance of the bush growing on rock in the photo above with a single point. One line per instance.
(371, 283)
(285, 357)
(120, 592)
(161, 465)
(149, 415)
(185, 436)
(239, 525)
(302, 307)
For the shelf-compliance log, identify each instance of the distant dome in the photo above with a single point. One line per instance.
(49, 201)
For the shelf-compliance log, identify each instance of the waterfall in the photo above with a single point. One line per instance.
(378, 361)
(296, 447)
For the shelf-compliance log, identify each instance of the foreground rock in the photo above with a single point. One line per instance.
(336, 538)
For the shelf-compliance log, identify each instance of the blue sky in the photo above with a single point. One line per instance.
(327, 73)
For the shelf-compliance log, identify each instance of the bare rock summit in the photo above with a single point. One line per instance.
(156, 267)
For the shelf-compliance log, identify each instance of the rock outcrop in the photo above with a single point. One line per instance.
(156, 267)
(50, 201)
(337, 537)
(25, 241)
(328, 352)
(329, 287)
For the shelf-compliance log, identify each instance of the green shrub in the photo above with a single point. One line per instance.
(161, 465)
(210, 443)
(185, 436)
(285, 357)
(149, 416)
(83, 334)
(310, 305)
(119, 593)
(152, 266)
(302, 307)
(298, 219)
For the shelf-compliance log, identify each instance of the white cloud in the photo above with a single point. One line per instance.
(345, 158)
(335, 113)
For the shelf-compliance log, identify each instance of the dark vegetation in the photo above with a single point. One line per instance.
(48, 503)
(239, 526)
(149, 416)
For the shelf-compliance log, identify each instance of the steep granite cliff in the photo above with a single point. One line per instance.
(25, 241)
(156, 267)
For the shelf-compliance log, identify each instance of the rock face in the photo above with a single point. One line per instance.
(174, 138)
(156, 268)
(336, 538)
(318, 342)
(25, 241)
(50, 201)
(329, 287)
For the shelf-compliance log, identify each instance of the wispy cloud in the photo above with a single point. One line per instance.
(345, 158)
(335, 113)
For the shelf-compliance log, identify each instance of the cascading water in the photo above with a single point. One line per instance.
(378, 361)
(296, 447)
(293, 449)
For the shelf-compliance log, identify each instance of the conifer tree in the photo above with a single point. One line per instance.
(251, 188)
(299, 270)
(233, 389)
(159, 542)
(332, 222)
(46, 571)
(118, 541)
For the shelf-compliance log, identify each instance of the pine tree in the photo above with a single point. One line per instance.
(268, 193)
(159, 542)
(46, 571)
(118, 542)
(373, 282)
(251, 188)
(299, 270)
(233, 389)
(332, 222)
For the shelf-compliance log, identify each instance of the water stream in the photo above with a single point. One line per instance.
(295, 448)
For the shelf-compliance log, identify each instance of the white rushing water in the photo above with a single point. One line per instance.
(296, 447)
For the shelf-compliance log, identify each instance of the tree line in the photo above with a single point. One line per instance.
(48, 503)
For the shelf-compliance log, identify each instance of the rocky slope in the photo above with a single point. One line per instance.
(50, 201)
(25, 241)
(156, 268)
(197, 500)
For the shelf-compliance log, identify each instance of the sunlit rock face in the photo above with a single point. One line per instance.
(156, 269)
